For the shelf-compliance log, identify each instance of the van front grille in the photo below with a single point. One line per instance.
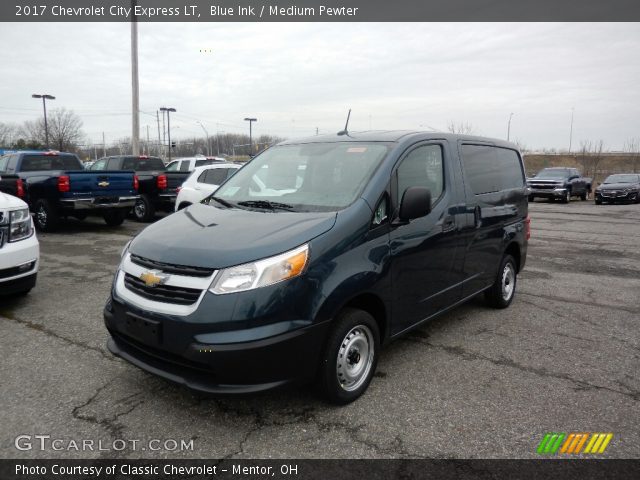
(162, 293)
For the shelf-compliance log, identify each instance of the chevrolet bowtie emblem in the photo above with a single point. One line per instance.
(103, 184)
(153, 279)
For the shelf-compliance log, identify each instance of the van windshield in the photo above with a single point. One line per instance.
(306, 177)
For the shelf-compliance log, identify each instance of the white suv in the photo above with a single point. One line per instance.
(19, 248)
(203, 182)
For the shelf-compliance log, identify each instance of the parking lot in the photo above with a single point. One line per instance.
(475, 383)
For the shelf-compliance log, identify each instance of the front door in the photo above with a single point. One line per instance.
(426, 258)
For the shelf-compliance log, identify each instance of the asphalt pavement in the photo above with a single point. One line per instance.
(475, 383)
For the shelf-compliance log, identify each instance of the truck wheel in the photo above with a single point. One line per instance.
(567, 196)
(46, 217)
(585, 195)
(114, 218)
(503, 289)
(80, 216)
(144, 211)
(531, 198)
(598, 201)
(350, 357)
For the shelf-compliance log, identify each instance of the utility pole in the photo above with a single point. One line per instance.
(164, 131)
(250, 120)
(135, 101)
(148, 152)
(168, 110)
(509, 127)
(207, 134)
(104, 146)
(158, 119)
(571, 130)
(44, 98)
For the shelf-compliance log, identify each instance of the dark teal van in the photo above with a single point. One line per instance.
(315, 255)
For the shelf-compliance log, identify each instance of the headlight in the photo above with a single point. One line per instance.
(261, 273)
(20, 225)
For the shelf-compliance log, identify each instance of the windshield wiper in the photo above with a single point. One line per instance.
(265, 204)
(221, 201)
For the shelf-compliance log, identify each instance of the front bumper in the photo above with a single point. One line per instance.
(547, 192)
(98, 203)
(174, 348)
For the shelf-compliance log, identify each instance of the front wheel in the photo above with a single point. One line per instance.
(531, 198)
(144, 211)
(114, 218)
(585, 195)
(567, 196)
(501, 293)
(350, 356)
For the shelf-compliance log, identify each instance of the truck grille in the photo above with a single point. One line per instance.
(543, 186)
(172, 268)
(162, 293)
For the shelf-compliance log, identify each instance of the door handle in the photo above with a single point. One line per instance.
(477, 216)
(448, 224)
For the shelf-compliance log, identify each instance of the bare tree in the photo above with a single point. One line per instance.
(463, 128)
(632, 146)
(590, 156)
(65, 130)
(8, 134)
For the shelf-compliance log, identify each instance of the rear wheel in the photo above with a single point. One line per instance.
(114, 218)
(144, 211)
(46, 218)
(501, 293)
(350, 356)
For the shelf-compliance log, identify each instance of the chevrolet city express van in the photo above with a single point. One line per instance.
(317, 253)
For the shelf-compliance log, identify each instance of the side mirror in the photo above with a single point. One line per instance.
(415, 203)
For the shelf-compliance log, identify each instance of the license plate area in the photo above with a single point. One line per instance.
(105, 200)
(143, 329)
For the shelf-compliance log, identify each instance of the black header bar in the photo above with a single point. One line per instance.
(320, 10)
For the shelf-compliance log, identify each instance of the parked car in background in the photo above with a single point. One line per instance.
(56, 186)
(621, 187)
(559, 183)
(19, 248)
(189, 164)
(157, 187)
(383, 232)
(203, 182)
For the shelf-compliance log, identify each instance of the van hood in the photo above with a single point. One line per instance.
(216, 237)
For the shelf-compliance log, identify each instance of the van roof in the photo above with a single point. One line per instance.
(395, 136)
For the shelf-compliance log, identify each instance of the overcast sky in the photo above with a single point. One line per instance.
(296, 77)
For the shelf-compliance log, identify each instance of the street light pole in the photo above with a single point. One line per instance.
(571, 130)
(250, 120)
(207, 134)
(44, 98)
(168, 110)
(509, 127)
(135, 91)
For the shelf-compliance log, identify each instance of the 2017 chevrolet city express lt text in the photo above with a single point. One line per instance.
(371, 235)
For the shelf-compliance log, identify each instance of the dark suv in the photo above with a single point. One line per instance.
(345, 243)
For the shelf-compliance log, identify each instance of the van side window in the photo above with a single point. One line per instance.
(99, 165)
(422, 167)
(184, 166)
(173, 166)
(3, 163)
(491, 169)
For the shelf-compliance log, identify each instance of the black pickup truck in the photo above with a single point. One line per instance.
(559, 183)
(157, 187)
(55, 186)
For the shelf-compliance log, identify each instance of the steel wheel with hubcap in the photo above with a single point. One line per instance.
(143, 209)
(350, 356)
(501, 293)
(567, 196)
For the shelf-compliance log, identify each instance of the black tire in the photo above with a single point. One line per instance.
(114, 218)
(567, 196)
(585, 195)
(80, 216)
(531, 198)
(354, 334)
(598, 201)
(144, 210)
(46, 217)
(497, 296)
